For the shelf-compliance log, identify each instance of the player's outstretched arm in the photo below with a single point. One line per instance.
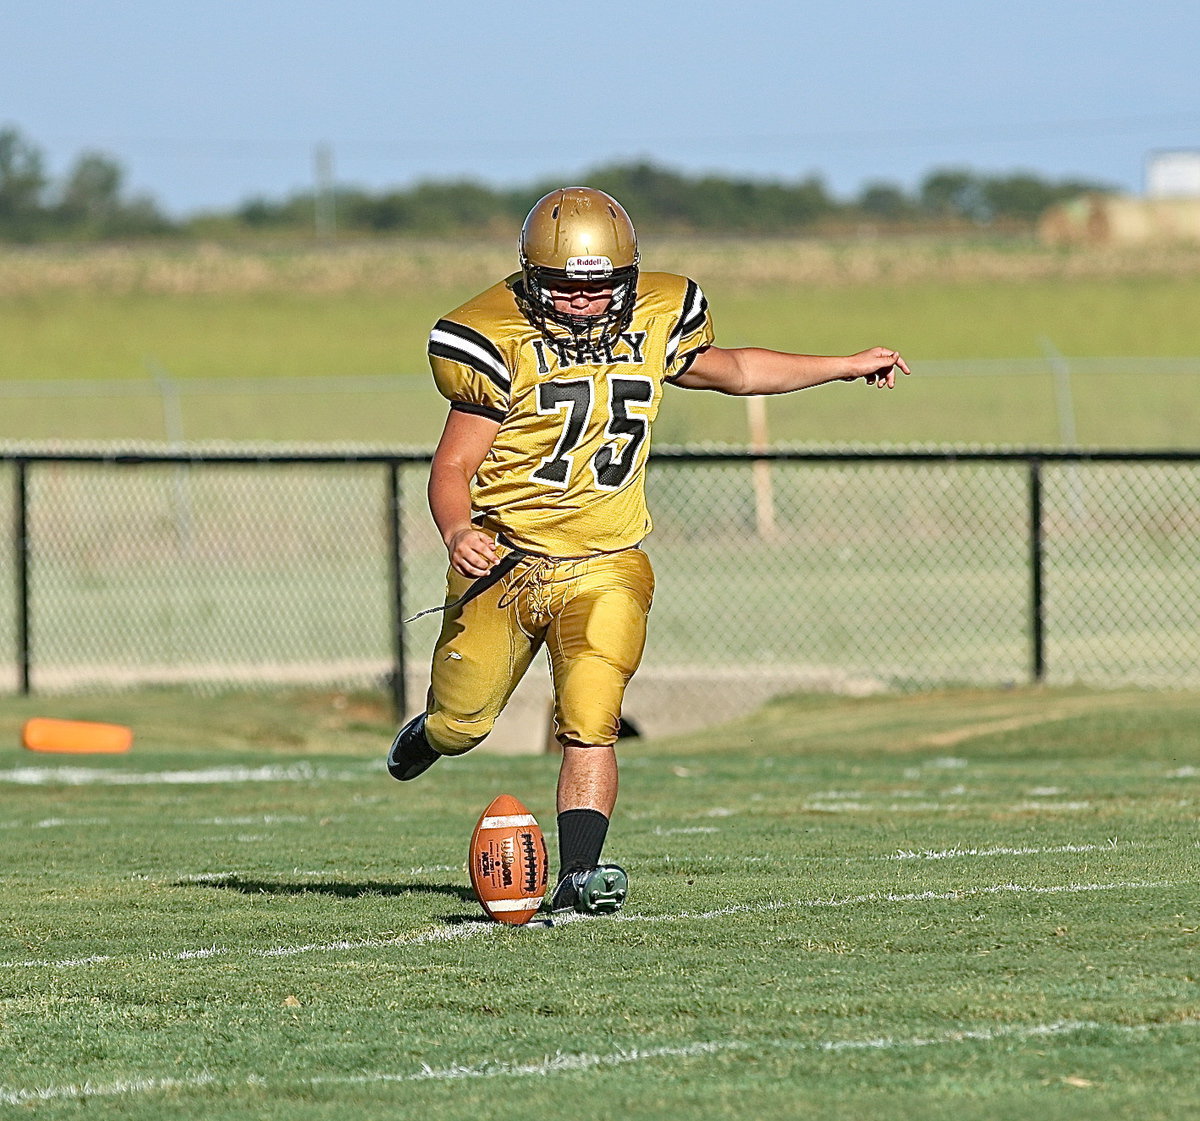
(466, 440)
(751, 371)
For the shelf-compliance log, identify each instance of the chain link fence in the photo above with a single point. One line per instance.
(851, 572)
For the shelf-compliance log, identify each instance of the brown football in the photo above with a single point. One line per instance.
(508, 862)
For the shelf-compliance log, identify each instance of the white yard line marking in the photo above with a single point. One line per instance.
(179, 823)
(94, 776)
(68, 963)
(998, 850)
(261, 819)
(937, 807)
(892, 897)
(986, 1035)
(229, 878)
(567, 1063)
(438, 934)
(552, 1064)
(56, 823)
(1022, 807)
(471, 929)
(102, 1089)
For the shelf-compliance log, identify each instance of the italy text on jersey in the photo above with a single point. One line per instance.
(627, 348)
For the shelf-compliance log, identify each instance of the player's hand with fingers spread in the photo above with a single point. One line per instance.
(876, 366)
(472, 552)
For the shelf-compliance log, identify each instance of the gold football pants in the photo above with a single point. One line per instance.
(590, 613)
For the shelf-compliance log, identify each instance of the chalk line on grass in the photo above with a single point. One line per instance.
(577, 1062)
(895, 897)
(438, 934)
(76, 1092)
(95, 776)
(986, 1035)
(222, 879)
(181, 823)
(848, 806)
(561, 1063)
(473, 929)
(996, 850)
(1024, 807)
(56, 823)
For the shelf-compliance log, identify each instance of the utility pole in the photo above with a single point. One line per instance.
(325, 202)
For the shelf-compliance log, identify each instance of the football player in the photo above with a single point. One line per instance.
(554, 377)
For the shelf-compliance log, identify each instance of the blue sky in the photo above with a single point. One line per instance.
(209, 102)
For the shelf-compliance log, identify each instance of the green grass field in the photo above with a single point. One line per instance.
(224, 323)
(952, 905)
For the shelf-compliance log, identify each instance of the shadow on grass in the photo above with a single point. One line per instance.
(341, 890)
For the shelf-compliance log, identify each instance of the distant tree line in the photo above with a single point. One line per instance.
(665, 200)
(90, 203)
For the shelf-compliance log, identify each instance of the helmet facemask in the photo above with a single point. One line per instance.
(578, 236)
(538, 305)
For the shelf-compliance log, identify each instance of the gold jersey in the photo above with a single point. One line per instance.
(565, 475)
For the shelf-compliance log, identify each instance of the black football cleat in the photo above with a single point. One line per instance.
(411, 754)
(594, 891)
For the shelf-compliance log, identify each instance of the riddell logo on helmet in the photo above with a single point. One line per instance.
(581, 268)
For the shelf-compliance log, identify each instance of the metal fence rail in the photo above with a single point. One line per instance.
(853, 571)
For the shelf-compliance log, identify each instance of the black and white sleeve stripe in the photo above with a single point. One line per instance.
(692, 319)
(478, 410)
(470, 348)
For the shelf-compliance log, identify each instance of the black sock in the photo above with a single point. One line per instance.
(581, 836)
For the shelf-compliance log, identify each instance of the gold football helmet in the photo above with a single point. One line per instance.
(579, 235)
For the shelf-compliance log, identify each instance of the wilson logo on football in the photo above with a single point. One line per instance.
(496, 862)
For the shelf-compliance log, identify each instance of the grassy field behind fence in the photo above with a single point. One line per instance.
(955, 906)
(902, 575)
(225, 328)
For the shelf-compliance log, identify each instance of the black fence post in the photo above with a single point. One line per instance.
(1037, 615)
(395, 545)
(21, 563)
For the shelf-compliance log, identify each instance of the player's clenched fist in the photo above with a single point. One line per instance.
(471, 552)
